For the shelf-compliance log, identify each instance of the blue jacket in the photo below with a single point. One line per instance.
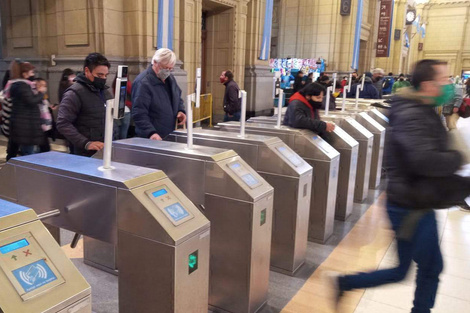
(369, 92)
(388, 89)
(152, 109)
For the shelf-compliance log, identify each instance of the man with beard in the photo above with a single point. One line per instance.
(302, 111)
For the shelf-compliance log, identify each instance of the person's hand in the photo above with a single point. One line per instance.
(181, 118)
(456, 110)
(330, 127)
(155, 137)
(95, 145)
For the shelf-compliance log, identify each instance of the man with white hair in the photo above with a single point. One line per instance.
(378, 80)
(156, 98)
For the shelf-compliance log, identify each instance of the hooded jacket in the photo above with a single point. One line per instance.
(369, 91)
(154, 111)
(420, 165)
(301, 114)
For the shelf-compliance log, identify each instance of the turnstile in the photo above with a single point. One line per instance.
(379, 117)
(162, 238)
(291, 178)
(238, 203)
(36, 275)
(313, 149)
(348, 148)
(378, 131)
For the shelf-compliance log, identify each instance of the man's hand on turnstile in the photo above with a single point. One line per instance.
(155, 137)
(95, 145)
(330, 127)
(181, 118)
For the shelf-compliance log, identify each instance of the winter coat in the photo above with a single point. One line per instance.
(82, 113)
(387, 85)
(378, 85)
(153, 110)
(369, 91)
(25, 119)
(400, 84)
(301, 114)
(232, 103)
(420, 165)
(298, 83)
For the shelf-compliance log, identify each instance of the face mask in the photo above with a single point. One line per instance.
(99, 83)
(447, 94)
(163, 74)
(31, 78)
(315, 104)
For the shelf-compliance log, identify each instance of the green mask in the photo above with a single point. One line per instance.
(447, 94)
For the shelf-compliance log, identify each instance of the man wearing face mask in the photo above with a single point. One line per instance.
(156, 98)
(82, 112)
(378, 79)
(232, 103)
(400, 83)
(420, 172)
(302, 111)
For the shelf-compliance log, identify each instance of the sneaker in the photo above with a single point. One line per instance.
(333, 279)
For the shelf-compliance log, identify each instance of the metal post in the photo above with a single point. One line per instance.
(198, 87)
(279, 108)
(108, 135)
(327, 105)
(349, 82)
(358, 89)
(189, 120)
(363, 79)
(243, 114)
(334, 81)
(345, 91)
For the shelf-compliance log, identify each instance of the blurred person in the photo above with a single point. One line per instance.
(369, 91)
(420, 178)
(66, 80)
(467, 86)
(121, 126)
(302, 111)
(82, 111)
(156, 98)
(401, 82)
(378, 79)
(344, 82)
(451, 109)
(232, 103)
(25, 120)
(299, 82)
(388, 84)
(325, 82)
(309, 78)
(46, 116)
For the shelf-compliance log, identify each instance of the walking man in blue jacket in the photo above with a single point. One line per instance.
(156, 98)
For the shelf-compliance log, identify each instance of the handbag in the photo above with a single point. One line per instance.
(464, 110)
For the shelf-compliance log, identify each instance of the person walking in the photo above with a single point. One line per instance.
(232, 102)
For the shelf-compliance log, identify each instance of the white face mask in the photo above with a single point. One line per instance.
(163, 74)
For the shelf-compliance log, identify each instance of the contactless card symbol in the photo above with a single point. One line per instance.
(34, 275)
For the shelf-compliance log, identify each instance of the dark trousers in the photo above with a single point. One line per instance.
(234, 118)
(422, 247)
(12, 149)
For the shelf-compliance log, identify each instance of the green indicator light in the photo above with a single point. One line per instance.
(263, 217)
(193, 261)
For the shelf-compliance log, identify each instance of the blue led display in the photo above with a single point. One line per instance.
(234, 166)
(249, 180)
(159, 193)
(14, 246)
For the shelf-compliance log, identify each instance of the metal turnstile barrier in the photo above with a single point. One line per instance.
(325, 162)
(36, 275)
(291, 178)
(238, 203)
(162, 238)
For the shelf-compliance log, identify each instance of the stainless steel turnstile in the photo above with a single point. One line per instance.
(36, 275)
(378, 131)
(291, 178)
(348, 148)
(379, 117)
(325, 162)
(366, 144)
(238, 203)
(162, 238)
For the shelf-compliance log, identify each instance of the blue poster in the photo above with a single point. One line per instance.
(34, 275)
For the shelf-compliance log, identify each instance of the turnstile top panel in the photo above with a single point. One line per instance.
(123, 176)
(9, 208)
(176, 148)
(14, 214)
(377, 127)
(249, 138)
(379, 114)
(351, 121)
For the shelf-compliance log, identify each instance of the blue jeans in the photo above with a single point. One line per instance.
(235, 117)
(423, 248)
(121, 126)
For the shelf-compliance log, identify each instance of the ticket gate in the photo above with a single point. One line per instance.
(379, 117)
(378, 149)
(325, 162)
(291, 178)
(36, 275)
(240, 228)
(162, 238)
(348, 148)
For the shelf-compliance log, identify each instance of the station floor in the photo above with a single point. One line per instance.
(363, 242)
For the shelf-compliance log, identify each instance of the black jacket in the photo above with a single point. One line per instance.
(369, 92)
(153, 111)
(298, 83)
(82, 113)
(25, 119)
(299, 115)
(419, 164)
(231, 100)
